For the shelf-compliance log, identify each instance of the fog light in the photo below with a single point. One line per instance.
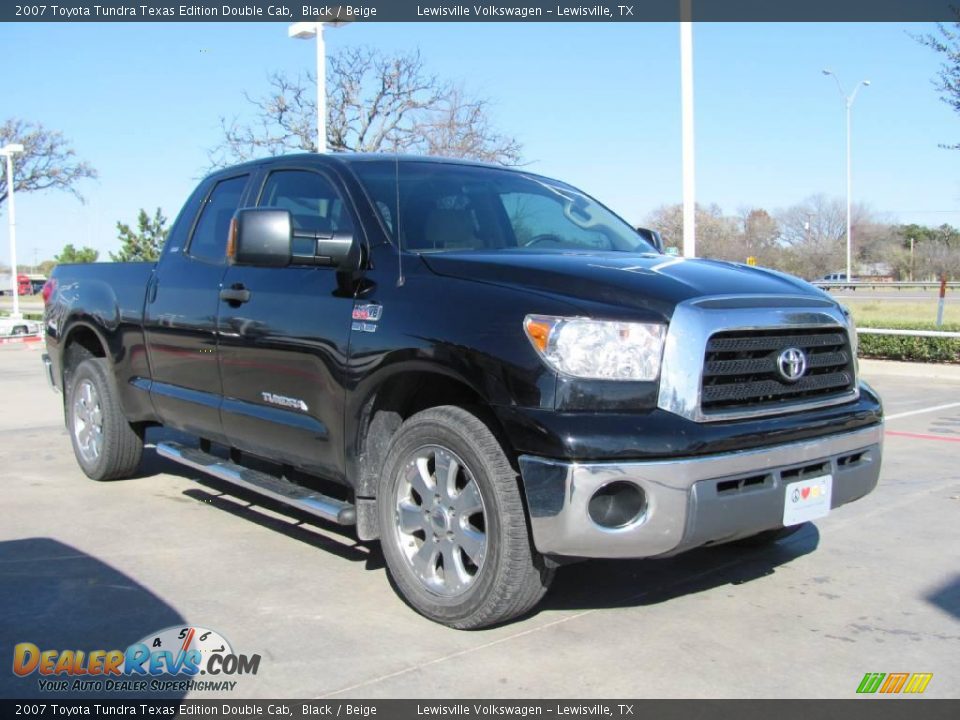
(617, 504)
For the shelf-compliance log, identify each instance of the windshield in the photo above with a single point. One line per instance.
(437, 207)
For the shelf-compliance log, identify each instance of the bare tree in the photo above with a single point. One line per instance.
(47, 162)
(936, 260)
(717, 235)
(668, 221)
(813, 235)
(806, 239)
(460, 127)
(947, 44)
(761, 236)
(375, 102)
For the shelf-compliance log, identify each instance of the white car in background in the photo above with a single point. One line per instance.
(9, 326)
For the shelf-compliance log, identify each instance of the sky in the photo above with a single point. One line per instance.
(596, 105)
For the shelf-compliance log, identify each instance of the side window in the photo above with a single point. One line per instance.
(314, 204)
(463, 219)
(180, 230)
(209, 240)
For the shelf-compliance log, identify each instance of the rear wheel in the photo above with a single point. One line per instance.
(105, 444)
(20, 330)
(452, 523)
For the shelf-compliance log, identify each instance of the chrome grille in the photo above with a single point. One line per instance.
(740, 369)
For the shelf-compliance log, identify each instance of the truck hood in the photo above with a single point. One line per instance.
(638, 282)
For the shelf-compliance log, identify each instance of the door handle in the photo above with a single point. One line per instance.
(235, 294)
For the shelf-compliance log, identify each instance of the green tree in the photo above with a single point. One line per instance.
(144, 244)
(46, 267)
(70, 254)
(947, 43)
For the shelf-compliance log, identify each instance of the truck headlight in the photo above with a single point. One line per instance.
(598, 349)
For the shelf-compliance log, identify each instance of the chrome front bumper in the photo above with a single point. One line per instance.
(691, 501)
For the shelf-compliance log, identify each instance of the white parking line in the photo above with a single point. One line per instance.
(897, 416)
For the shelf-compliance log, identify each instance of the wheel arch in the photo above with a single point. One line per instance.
(81, 340)
(397, 395)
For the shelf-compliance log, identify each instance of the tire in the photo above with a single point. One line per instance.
(768, 537)
(475, 523)
(104, 443)
(20, 330)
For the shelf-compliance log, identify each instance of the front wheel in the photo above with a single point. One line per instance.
(105, 444)
(452, 524)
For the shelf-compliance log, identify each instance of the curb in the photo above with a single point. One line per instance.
(932, 371)
(20, 340)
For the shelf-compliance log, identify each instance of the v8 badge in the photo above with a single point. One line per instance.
(365, 317)
(369, 312)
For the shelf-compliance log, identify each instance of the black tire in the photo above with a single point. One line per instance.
(120, 445)
(768, 537)
(511, 576)
(20, 330)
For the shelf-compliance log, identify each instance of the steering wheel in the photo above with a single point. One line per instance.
(544, 237)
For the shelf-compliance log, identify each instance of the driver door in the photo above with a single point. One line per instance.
(283, 350)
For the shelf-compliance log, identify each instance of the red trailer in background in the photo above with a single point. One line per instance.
(30, 284)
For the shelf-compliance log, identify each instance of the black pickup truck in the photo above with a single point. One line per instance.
(483, 368)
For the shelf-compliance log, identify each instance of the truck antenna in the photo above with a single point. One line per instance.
(400, 279)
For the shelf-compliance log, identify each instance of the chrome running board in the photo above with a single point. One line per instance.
(328, 508)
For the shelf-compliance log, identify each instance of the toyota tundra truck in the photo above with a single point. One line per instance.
(484, 369)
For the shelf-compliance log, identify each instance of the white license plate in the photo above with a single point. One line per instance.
(807, 500)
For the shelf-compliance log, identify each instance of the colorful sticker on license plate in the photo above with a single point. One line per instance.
(807, 500)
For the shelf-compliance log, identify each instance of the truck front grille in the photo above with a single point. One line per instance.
(741, 369)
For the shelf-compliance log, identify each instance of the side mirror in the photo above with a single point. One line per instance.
(336, 249)
(652, 237)
(266, 237)
(260, 236)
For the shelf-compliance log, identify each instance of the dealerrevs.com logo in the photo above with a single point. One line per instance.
(171, 660)
(894, 683)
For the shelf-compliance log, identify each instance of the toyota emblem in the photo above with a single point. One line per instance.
(792, 364)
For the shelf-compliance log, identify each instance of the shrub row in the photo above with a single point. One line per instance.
(883, 347)
(915, 349)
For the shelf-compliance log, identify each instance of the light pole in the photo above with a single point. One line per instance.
(7, 151)
(687, 130)
(305, 31)
(848, 103)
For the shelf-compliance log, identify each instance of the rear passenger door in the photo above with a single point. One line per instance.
(181, 311)
(283, 351)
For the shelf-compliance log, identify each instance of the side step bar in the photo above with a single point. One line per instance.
(279, 489)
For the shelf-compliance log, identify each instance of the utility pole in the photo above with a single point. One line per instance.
(912, 278)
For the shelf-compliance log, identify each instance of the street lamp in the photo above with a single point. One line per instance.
(7, 151)
(305, 31)
(687, 134)
(848, 102)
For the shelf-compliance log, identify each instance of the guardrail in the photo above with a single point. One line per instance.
(908, 333)
(898, 284)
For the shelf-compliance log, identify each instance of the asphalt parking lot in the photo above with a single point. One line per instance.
(874, 587)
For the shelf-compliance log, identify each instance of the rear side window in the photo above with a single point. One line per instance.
(313, 202)
(210, 236)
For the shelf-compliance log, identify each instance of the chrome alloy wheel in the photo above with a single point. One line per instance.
(440, 520)
(88, 421)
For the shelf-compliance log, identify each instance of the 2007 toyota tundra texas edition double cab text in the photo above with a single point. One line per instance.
(484, 369)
